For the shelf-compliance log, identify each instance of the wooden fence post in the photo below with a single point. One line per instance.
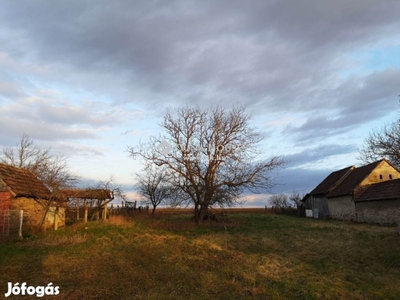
(86, 212)
(105, 212)
(77, 208)
(20, 223)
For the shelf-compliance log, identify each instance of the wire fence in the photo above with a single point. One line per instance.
(11, 222)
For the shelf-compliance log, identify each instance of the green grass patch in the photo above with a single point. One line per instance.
(243, 256)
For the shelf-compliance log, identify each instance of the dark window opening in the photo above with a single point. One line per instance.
(380, 176)
(390, 176)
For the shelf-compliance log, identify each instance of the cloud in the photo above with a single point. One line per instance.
(254, 200)
(102, 71)
(258, 53)
(300, 180)
(358, 100)
(317, 154)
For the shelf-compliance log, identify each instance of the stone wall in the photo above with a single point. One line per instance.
(33, 213)
(342, 208)
(381, 212)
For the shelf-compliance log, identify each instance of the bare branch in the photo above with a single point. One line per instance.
(383, 144)
(210, 156)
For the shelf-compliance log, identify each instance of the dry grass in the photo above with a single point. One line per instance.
(178, 210)
(248, 256)
(120, 220)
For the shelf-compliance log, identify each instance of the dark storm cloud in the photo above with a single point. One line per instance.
(272, 56)
(259, 52)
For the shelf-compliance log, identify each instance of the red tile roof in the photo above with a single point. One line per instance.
(386, 190)
(22, 182)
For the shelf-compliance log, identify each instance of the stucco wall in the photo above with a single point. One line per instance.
(342, 208)
(384, 170)
(33, 212)
(381, 212)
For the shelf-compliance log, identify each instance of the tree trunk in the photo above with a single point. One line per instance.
(203, 212)
(154, 209)
(199, 212)
(46, 208)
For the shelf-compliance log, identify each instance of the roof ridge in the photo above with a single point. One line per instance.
(351, 169)
(355, 177)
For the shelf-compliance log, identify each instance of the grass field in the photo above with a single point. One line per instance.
(249, 255)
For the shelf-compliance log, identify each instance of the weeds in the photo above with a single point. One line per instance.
(248, 256)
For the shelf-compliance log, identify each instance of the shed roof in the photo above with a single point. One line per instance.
(386, 190)
(100, 194)
(22, 182)
(331, 181)
(356, 176)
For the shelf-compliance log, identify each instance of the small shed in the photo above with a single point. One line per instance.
(92, 199)
(20, 189)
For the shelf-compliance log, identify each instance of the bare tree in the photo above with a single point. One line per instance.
(295, 199)
(280, 202)
(54, 173)
(153, 185)
(383, 144)
(26, 155)
(103, 193)
(210, 156)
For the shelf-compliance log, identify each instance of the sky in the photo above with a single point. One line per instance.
(91, 78)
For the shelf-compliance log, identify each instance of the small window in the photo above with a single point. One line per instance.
(380, 176)
(390, 176)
